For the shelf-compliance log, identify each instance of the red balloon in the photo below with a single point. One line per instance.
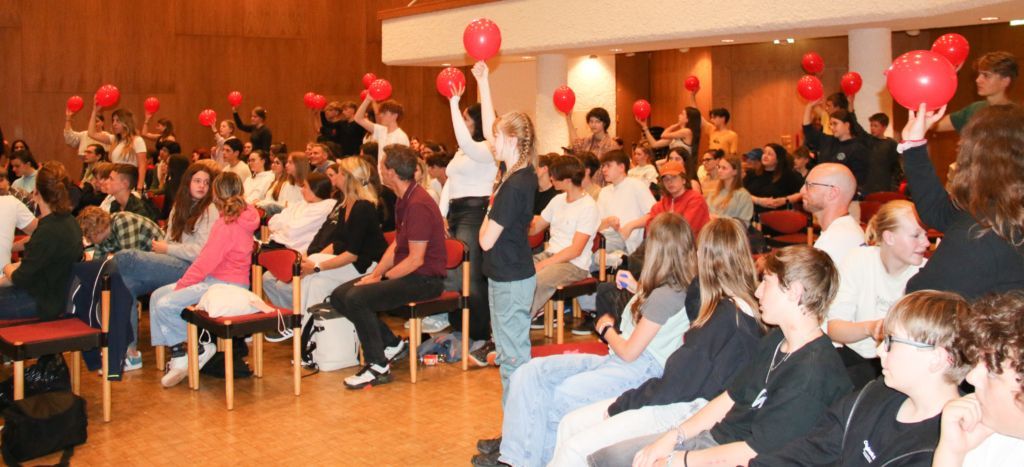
(812, 63)
(641, 109)
(368, 79)
(952, 46)
(482, 39)
(319, 102)
(151, 104)
(207, 117)
(448, 78)
(235, 98)
(75, 103)
(308, 99)
(921, 76)
(380, 90)
(851, 83)
(810, 88)
(692, 84)
(363, 94)
(108, 95)
(564, 99)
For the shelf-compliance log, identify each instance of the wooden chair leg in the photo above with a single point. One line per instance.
(193, 357)
(159, 349)
(362, 358)
(548, 317)
(414, 343)
(257, 350)
(561, 321)
(229, 372)
(465, 339)
(577, 312)
(296, 360)
(19, 379)
(106, 400)
(76, 372)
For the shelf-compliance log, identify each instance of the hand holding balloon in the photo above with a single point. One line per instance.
(456, 90)
(75, 103)
(480, 71)
(920, 121)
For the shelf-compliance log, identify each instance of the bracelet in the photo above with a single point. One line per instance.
(604, 330)
(686, 455)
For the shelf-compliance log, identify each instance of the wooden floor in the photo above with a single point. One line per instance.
(436, 421)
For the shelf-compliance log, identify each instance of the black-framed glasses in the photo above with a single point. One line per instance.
(829, 185)
(888, 340)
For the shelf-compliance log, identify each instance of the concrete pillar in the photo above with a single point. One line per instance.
(549, 123)
(870, 55)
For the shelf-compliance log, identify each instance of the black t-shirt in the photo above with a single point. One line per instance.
(763, 186)
(510, 258)
(386, 209)
(360, 235)
(884, 169)
(779, 397)
(348, 135)
(542, 198)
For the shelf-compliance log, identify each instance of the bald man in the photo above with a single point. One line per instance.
(827, 192)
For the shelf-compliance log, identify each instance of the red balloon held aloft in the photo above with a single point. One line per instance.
(921, 76)
(108, 95)
(75, 103)
(448, 78)
(363, 94)
(482, 39)
(368, 79)
(564, 99)
(851, 83)
(151, 104)
(319, 102)
(380, 90)
(692, 84)
(952, 46)
(641, 109)
(307, 99)
(810, 88)
(235, 98)
(812, 63)
(207, 117)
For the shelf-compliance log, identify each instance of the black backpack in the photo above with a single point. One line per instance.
(42, 424)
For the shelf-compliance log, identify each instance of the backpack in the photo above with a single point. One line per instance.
(329, 340)
(41, 424)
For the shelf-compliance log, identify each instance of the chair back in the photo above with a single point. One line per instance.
(884, 196)
(868, 209)
(537, 240)
(784, 221)
(283, 263)
(456, 251)
(390, 236)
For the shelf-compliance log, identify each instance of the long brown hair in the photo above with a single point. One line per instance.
(227, 195)
(989, 179)
(187, 211)
(737, 183)
(670, 258)
(725, 267)
(52, 187)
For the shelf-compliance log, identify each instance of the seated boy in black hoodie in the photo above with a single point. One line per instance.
(893, 420)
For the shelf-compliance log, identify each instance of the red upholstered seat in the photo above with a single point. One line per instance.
(576, 289)
(14, 322)
(41, 338)
(448, 300)
(593, 347)
(241, 325)
(884, 196)
(784, 222)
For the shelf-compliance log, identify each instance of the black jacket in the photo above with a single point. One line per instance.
(840, 437)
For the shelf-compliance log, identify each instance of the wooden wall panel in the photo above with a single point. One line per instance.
(203, 17)
(669, 68)
(632, 82)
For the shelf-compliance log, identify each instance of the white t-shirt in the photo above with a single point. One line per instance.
(470, 174)
(842, 236)
(628, 200)
(296, 225)
(80, 140)
(996, 450)
(241, 169)
(120, 153)
(568, 218)
(383, 138)
(13, 214)
(867, 291)
(256, 186)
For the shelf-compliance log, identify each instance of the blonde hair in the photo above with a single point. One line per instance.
(725, 268)
(888, 218)
(519, 125)
(810, 267)
(670, 258)
(227, 195)
(737, 183)
(128, 122)
(929, 317)
(357, 184)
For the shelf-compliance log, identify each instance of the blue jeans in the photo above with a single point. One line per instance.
(547, 388)
(510, 324)
(143, 272)
(166, 326)
(16, 303)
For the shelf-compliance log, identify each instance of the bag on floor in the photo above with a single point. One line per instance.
(43, 424)
(329, 340)
(49, 373)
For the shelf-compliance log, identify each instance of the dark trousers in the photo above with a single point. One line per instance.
(465, 216)
(16, 303)
(87, 307)
(360, 304)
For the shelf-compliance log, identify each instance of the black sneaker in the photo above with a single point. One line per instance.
(369, 375)
(488, 460)
(585, 326)
(538, 322)
(479, 356)
(488, 446)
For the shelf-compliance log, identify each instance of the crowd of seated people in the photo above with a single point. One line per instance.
(870, 345)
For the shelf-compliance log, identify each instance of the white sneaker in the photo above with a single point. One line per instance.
(435, 324)
(177, 370)
(396, 351)
(206, 352)
(369, 375)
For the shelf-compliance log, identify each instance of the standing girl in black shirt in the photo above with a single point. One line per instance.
(261, 135)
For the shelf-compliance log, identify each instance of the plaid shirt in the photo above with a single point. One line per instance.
(129, 231)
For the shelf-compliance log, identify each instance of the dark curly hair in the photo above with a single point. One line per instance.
(992, 333)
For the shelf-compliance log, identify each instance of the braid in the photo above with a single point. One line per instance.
(524, 131)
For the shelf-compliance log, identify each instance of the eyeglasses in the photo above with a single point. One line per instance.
(707, 159)
(888, 340)
(807, 183)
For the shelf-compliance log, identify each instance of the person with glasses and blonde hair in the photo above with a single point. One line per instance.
(872, 278)
(726, 327)
(893, 420)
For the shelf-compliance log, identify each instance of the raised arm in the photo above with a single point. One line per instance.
(360, 117)
(646, 133)
(239, 123)
(476, 150)
(930, 197)
(97, 135)
(483, 84)
(71, 137)
(144, 131)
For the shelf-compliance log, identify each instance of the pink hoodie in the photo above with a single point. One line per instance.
(227, 254)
